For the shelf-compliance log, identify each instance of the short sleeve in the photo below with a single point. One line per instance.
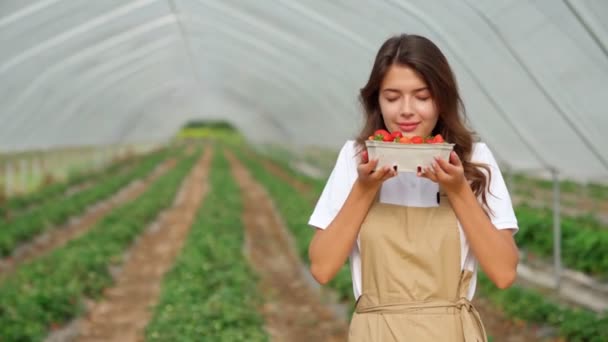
(498, 198)
(336, 189)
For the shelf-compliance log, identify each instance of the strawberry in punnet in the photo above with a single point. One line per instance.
(404, 140)
(396, 136)
(417, 140)
(382, 135)
(438, 139)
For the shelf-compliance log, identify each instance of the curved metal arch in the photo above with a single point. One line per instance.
(131, 80)
(133, 120)
(248, 39)
(134, 117)
(103, 68)
(574, 126)
(290, 79)
(73, 108)
(261, 77)
(590, 30)
(25, 12)
(92, 50)
(74, 32)
(80, 84)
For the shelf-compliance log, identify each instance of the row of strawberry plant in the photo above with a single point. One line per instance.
(584, 241)
(594, 190)
(52, 290)
(209, 294)
(516, 302)
(294, 208)
(533, 307)
(17, 204)
(22, 228)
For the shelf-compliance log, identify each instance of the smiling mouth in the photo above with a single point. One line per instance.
(408, 127)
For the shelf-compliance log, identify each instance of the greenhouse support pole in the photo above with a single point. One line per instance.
(557, 234)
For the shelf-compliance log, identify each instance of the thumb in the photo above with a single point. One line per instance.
(455, 159)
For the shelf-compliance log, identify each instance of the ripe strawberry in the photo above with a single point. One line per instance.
(381, 132)
(417, 140)
(405, 140)
(438, 139)
(397, 134)
(371, 137)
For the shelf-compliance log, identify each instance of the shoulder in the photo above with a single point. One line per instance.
(348, 152)
(481, 153)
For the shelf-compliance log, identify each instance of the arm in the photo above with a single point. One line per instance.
(495, 249)
(330, 247)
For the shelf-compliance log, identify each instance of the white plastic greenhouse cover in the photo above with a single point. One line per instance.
(534, 74)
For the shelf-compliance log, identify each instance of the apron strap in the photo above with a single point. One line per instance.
(472, 325)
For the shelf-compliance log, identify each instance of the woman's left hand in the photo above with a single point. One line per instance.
(450, 175)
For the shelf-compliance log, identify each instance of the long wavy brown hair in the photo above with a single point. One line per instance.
(427, 60)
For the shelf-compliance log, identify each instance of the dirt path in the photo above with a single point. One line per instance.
(292, 311)
(126, 308)
(57, 237)
(285, 176)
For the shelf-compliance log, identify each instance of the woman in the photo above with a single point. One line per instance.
(415, 239)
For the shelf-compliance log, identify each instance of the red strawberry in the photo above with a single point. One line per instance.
(438, 139)
(396, 134)
(381, 131)
(417, 140)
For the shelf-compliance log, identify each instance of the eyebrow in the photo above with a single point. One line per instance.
(398, 91)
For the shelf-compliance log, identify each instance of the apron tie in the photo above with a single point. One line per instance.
(472, 325)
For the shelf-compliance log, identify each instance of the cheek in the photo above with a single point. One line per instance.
(427, 111)
(389, 109)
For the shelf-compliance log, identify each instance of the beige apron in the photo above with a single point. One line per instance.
(412, 285)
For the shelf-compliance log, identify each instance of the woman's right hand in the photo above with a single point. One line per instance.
(373, 178)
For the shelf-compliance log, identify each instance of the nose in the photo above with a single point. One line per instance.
(407, 108)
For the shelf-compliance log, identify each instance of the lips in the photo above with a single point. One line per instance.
(408, 126)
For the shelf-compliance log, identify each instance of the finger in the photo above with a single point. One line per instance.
(455, 159)
(446, 166)
(380, 173)
(427, 173)
(392, 173)
(369, 167)
(439, 172)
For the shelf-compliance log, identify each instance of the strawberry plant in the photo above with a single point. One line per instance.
(295, 207)
(21, 228)
(51, 290)
(584, 239)
(212, 272)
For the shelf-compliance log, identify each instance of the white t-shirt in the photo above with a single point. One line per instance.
(409, 190)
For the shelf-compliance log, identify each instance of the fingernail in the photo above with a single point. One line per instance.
(419, 169)
(395, 168)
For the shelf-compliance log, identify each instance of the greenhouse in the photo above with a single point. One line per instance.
(161, 160)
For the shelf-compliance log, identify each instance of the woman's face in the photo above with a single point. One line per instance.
(406, 103)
